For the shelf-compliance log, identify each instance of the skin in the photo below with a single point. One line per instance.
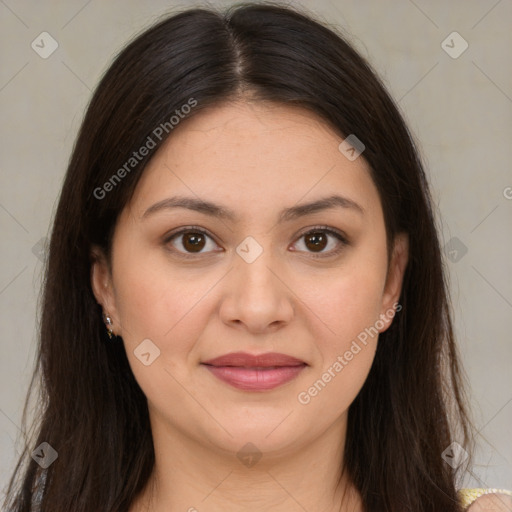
(494, 502)
(256, 159)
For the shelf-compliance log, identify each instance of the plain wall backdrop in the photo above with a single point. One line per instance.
(457, 101)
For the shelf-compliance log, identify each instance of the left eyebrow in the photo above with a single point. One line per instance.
(325, 203)
(222, 212)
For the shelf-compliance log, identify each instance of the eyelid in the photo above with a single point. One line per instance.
(342, 238)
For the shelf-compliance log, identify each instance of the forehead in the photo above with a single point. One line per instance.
(261, 130)
(247, 154)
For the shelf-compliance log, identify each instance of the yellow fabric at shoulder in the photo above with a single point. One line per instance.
(468, 496)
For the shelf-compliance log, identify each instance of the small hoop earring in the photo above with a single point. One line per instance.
(108, 321)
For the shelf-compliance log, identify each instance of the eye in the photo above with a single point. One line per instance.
(317, 239)
(192, 241)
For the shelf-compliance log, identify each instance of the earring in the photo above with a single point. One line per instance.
(108, 321)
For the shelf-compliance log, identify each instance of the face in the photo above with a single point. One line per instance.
(189, 285)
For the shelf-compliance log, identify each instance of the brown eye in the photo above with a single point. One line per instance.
(191, 241)
(316, 241)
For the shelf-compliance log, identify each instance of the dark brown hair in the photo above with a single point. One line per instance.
(91, 409)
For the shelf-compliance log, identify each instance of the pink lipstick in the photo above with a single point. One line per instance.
(255, 372)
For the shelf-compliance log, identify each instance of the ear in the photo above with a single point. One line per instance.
(394, 279)
(102, 286)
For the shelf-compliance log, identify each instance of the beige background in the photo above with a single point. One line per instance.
(460, 109)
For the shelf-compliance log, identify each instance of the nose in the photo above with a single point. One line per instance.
(256, 296)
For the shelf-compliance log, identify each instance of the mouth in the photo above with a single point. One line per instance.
(255, 372)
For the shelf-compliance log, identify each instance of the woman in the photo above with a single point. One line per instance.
(244, 305)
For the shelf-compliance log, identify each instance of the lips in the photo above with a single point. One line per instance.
(255, 372)
(270, 359)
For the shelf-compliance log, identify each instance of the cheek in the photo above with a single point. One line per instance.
(157, 304)
(346, 309)
(152, 299)
(345, 351)
(346, 302)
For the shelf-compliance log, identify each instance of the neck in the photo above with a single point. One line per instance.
(189, 476)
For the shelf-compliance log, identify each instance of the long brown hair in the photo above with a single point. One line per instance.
(91, 409)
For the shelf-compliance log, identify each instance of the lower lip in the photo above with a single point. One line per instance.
(253, 379)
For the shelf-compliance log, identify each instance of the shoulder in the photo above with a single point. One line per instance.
(486, 500)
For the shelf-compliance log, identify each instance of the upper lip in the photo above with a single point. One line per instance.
(253, 361)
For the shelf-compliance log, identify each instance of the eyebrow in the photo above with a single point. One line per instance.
(222, 212)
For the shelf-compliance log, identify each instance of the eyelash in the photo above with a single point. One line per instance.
(323, 229)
